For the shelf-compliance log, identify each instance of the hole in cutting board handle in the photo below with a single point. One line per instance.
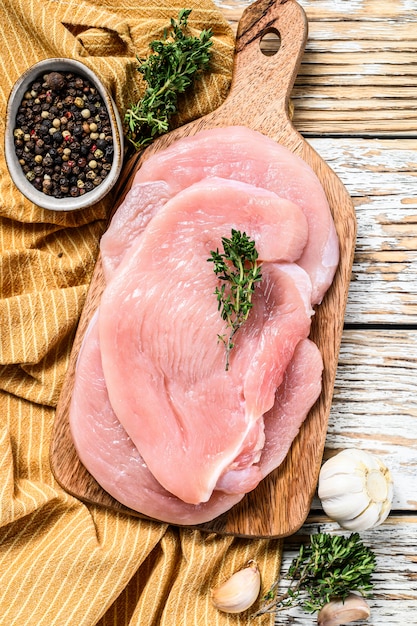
(270, 42)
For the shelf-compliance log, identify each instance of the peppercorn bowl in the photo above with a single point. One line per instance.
(64, 136)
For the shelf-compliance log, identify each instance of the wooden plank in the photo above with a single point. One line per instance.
(360, 10)
(372, 106)
(319, 94)
(394, 598)
(380, 32)
(357, 58)
(338, 10)
(340, 80)
(372, 127)
(381, 177)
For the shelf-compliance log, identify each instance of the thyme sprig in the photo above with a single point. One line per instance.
(238, 270)
(327, 568)
(176, 61)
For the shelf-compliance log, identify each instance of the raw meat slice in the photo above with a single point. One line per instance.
(239, 153)
(110, 456)
(108, 453)
(159, 322)
(140, 205)
(294, 399)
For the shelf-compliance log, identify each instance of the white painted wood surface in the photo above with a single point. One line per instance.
(355, 100)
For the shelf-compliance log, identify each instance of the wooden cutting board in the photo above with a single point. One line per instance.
(259, 99)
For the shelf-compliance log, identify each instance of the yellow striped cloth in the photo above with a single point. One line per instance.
(63, 562)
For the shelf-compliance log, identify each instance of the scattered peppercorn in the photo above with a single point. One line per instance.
(62, 135)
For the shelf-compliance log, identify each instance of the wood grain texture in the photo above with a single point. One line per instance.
(281, 503)
(381, 177)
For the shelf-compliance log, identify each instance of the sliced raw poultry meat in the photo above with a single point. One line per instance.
(190, 419)
(239, 153)
(133, 215)
(110, 456)
(294, 398)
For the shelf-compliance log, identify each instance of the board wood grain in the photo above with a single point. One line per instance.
(259, 99)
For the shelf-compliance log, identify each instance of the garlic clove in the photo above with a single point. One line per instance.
(369, 518)
(341, 463)
(355, 489)
(239, 591)
(337, 612)
(346, 483)
(346, 506)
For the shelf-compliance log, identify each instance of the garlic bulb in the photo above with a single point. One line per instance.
(338, 612)
(355, 489)
(239, 591)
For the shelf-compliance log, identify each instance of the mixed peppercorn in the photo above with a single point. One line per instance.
(63, 136)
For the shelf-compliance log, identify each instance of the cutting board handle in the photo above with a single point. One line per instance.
(262, 83)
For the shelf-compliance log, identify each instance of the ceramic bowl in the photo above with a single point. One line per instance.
(21, 86)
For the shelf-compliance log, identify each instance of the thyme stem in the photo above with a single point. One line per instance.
(238, 270)
(170, 70)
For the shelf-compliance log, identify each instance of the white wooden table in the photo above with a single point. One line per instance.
(355, 100)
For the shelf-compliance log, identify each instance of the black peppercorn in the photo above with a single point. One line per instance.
(109, 152)
(57, 138)
(101, 144)
(55, 80)
(43, 129)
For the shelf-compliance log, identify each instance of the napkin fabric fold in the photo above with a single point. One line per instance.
(64, 562)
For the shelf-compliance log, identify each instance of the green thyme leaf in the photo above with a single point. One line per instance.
(238, 271)
(176, 61)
